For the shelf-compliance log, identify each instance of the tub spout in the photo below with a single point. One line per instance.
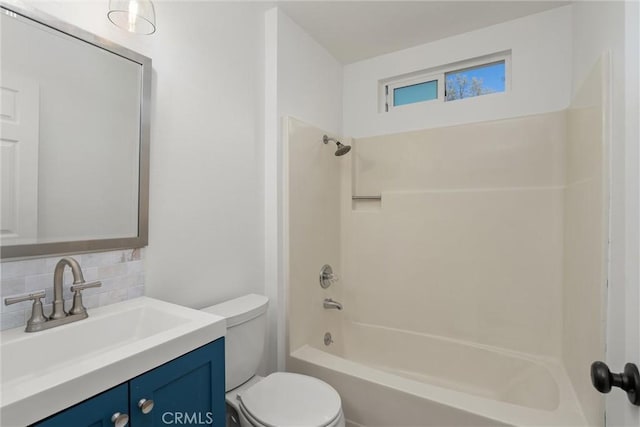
(330, 304)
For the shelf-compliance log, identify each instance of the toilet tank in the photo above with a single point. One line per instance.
(245, 339)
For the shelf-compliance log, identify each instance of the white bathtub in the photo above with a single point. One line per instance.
(389, 377)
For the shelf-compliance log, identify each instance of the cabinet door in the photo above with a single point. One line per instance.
(186, 391)
(94, 412)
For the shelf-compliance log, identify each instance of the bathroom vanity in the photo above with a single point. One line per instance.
(189, 389)
(152, 362)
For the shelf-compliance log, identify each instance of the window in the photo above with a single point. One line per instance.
(418, 92)
(475, 81)
(467, 79)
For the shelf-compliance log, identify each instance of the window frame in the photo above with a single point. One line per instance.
(438, 74)
(391, 87)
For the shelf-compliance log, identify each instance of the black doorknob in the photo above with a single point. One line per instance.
(629, 380)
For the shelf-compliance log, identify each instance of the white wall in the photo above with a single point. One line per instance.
(206, 217)
(206, 211)
(541, 77)
(302, 80)
(309, 78)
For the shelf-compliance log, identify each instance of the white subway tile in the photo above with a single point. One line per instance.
(38, 282)
(114, 270)
(112, 297)
(135, 292)
(10, 270)
(11, 320)
(91, 301)
(102, 259)
(13, 286)
(108, 284)
(135, 267)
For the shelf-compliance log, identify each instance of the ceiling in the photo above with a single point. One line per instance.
(356, 30)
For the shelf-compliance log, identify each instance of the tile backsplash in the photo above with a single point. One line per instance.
(121, 273)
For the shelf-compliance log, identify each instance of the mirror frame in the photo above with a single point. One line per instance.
(17, 8)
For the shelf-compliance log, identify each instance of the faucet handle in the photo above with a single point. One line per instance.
(327, 276)
(82, 286)
(35, 296)
(78, 307)
(37, 313)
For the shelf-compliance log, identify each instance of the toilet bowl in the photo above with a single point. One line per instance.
(285, 399)
(281, 399)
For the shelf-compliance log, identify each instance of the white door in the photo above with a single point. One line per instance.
(19, 140)
(623, 330)
(623, 322)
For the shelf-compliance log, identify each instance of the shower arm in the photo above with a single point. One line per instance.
(327, 139)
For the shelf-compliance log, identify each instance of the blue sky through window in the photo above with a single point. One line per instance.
(475, 81)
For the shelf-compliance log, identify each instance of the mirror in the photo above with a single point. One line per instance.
(74, 138)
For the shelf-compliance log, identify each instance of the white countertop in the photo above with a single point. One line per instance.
(48, 371)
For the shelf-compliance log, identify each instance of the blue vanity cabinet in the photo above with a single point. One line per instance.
(189, 390)
(94, 412)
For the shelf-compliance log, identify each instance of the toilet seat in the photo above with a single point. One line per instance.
(285, 399)
(337, 422)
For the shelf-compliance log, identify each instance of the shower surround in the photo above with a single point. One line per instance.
(464, 303)
(467, 240)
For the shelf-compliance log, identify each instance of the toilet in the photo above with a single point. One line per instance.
(281, 399)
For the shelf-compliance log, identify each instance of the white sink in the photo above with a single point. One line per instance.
(45, 372)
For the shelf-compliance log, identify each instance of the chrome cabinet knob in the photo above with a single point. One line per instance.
(120, 420)
(145, 405)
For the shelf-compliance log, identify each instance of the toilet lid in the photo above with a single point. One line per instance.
(291, 400)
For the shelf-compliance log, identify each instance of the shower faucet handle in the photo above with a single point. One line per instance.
(332, 277)
(327, 276)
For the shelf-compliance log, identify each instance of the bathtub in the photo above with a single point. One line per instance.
(390, 377)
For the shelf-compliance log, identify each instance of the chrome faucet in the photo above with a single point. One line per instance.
(331, 304)
(40, 322)
(58, 278)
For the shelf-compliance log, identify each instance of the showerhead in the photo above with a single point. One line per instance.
(342, 149)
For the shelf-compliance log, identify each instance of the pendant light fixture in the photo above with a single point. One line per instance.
(135, 16)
